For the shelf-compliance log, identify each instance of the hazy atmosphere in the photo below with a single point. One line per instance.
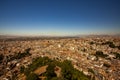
(59, 39)
(59, 17)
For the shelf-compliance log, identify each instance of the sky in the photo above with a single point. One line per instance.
(59, 17)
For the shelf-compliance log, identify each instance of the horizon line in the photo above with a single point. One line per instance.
(19, 35)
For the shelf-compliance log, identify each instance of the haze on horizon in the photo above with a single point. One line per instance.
(59, 17)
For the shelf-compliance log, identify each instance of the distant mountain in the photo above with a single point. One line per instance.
(17, 37)
(7, 36)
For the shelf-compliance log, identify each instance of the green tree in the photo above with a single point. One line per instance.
(32, 76)
(112, 45)
(67, 70)
(50, 71)
(22, 68)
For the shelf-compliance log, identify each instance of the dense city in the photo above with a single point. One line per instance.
(98, 58)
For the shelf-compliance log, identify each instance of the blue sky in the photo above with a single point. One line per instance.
(59, 17)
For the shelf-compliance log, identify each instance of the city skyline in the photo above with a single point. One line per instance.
(59, 18)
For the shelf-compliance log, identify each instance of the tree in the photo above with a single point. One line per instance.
(91, 42)
(68, 72)
(112, 45)
(22, 68)
(1, 58)
(100, 54)
(118, 47)
(50, 71)
(32, 76)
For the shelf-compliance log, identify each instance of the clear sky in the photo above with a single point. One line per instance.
(59, 17)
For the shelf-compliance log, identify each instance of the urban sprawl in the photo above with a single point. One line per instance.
(96, 57)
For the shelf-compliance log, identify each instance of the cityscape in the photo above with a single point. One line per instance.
(59, 40)
(97, 57)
